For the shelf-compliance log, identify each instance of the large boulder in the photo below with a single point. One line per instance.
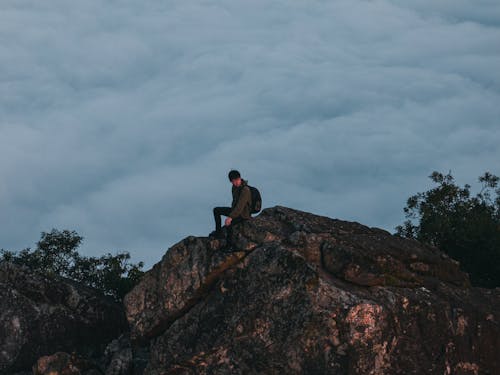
(42, 315)
(296, 293)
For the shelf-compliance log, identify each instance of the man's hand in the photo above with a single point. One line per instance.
(228, 221)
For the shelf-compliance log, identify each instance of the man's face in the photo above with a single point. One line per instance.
(236, 182)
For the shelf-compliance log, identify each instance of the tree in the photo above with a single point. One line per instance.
(56, 254)
(465, 227)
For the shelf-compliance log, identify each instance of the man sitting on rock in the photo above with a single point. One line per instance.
(240, 209)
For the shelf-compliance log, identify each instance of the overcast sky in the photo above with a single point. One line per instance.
(121, 119)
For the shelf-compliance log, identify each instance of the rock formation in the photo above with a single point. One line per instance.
(296, 293)
(287, 293)
(40, 316)
(64, 364)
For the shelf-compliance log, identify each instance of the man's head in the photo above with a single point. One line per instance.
(235, 178)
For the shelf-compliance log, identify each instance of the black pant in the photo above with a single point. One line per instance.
(219, 211)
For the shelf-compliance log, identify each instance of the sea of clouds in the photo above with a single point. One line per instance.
(121, 119)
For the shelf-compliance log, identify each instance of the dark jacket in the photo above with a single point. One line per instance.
(242, 201)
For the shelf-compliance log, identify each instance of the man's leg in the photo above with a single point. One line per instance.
(218, 212)
(237, 220)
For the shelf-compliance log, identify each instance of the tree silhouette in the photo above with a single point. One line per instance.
(465, 227)
(56, 254)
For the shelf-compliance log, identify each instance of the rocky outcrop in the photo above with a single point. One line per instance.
(64, 364)
(119, 357)
(296, 293)
(40, 316)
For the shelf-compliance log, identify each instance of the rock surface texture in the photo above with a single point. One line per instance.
(296, 293)
(64, 364)
(40, 316)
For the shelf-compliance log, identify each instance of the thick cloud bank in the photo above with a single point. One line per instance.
(121, 119)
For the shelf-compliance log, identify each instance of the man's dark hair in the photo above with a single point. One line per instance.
(233, 175)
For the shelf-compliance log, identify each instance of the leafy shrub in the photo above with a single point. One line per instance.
(56, 254)
(464, 226)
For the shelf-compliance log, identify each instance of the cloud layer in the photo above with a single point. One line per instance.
(121, 119)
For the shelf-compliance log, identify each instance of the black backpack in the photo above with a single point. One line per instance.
(256, 200)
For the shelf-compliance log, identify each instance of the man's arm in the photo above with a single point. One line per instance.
(245, 197)
(233, 193)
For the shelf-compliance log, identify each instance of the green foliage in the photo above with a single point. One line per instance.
(465, 227)
(56, 254)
